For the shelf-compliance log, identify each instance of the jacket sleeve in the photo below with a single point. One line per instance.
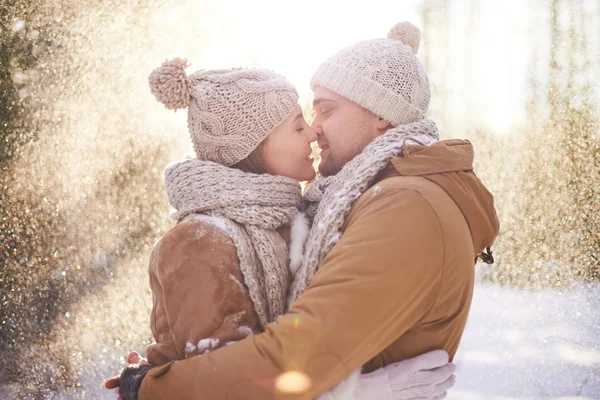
(199, 302)
(381, 279)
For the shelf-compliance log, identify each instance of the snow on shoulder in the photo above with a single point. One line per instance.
(202, 220)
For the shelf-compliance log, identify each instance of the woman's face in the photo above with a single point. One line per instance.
(287, 152)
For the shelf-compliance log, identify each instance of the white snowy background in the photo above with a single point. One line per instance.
(522, 344)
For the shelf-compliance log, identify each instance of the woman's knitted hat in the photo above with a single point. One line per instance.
(230, 111)
(382, 75)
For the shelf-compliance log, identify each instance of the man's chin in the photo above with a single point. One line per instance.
(328, 168)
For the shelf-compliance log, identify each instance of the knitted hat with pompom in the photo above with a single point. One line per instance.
(382, 75)
(230, 111)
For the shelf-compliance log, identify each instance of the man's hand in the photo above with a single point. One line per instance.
(134, 358)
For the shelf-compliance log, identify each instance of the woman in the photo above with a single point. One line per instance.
(223, 272)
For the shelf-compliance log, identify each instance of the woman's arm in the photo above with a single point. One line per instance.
(199, 300)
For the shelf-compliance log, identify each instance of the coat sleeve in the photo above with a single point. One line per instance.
(381, 279)
(199, 302)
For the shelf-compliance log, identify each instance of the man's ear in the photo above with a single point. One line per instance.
(382, 124)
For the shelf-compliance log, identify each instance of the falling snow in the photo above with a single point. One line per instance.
(83, 145)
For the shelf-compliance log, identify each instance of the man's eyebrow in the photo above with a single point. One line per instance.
(320, 100)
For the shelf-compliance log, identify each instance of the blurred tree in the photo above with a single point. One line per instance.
(579, 130)
(27, 296)
(548, 204)
(557, 217)
(58, 245)
(435, 28)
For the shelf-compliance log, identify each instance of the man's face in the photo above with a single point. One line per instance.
(343, 129)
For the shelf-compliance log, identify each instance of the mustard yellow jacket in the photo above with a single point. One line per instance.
(398, 283)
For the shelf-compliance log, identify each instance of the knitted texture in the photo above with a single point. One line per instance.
(330, 199)
(230, 111)
(252, 208)
(382, 75)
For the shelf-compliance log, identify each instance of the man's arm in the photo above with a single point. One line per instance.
(381, 279)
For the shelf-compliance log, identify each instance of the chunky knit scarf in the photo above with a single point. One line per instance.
(330, 199)
(252, 208)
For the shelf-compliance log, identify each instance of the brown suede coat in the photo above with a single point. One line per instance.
(199, 301)
(398, 283)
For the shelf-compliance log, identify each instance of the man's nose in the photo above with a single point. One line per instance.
(316, 128)
(311, 134)
(316, 125)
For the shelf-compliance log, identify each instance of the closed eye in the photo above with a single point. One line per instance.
(323, 106)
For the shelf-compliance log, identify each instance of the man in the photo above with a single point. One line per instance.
(388, 267)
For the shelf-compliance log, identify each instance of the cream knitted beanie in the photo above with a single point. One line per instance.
(230, 111)
(382, 75)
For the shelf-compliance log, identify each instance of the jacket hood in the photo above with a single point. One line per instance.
(449, 164)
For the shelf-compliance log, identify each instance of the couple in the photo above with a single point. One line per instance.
(260, 292)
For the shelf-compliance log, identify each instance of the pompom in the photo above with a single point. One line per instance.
(170, 84)
(407, 33)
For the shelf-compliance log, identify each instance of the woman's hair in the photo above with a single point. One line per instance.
(254, 163)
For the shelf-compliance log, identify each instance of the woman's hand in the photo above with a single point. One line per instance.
(134, 358)
(426, 377)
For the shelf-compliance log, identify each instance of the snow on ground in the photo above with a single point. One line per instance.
(526, 345)
(519, 344)
(530, 345)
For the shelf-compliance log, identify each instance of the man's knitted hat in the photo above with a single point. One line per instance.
(382, 75)
(230, 111)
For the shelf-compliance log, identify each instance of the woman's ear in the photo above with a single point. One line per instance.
(382, 124)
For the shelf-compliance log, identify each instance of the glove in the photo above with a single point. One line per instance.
(425, 377)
